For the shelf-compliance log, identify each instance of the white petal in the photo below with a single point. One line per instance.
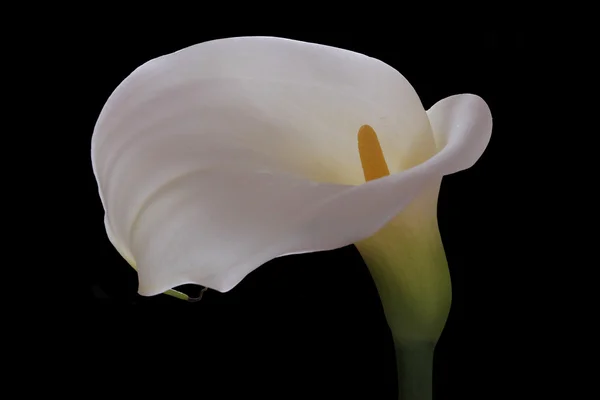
(275, 103)
(207, 159)
(465, 121)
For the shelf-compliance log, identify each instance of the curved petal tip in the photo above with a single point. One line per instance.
(462, 127)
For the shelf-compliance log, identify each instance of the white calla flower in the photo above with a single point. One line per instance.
(217, 158)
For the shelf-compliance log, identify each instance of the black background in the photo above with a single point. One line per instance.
(307, 325)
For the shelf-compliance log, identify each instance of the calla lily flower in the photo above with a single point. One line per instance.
(217, 158)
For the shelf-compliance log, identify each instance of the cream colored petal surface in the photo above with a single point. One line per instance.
(211, 161)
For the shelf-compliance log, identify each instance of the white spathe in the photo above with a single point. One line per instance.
(215, 159)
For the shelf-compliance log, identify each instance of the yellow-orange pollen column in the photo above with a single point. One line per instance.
(371, 155)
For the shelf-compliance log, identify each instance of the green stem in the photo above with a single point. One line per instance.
(414, 362)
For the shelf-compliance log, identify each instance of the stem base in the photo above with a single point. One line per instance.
(414, 363)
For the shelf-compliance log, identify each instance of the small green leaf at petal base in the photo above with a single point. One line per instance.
(177, 294)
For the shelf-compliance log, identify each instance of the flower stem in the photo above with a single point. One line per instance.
(414, 362)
